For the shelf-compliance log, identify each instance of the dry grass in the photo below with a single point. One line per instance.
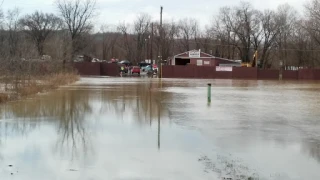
(40, 84)
(30, 89)
(60, 79)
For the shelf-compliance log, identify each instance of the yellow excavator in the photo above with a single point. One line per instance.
(253, 63)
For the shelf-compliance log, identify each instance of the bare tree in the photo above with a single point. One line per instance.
(246, 29)
(206, 39)
(270, 31)
(39, 27)
(188, 30)
(12, 25)
(239, 27)
(77, 15)
(142, 32)
(313, 14)
(1, 18)
(12, 49)
(127, 40)
(169, 35)
(286, 19)
(109, 39)
(244, 26)
(302, 42)
(1, 13)
(2, 35)
(221, 31)
(312, 26)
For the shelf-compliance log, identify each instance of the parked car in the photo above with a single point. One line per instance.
(135, 70)
(148, 69)
(143, 66)
(151, 69)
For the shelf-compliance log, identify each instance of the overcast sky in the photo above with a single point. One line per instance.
(115, 11)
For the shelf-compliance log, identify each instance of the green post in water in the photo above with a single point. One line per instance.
(209, 93)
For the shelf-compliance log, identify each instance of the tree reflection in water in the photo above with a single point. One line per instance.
(73, 134)
(71, 110)
(142, 100)
(15, 121)
(65, 109)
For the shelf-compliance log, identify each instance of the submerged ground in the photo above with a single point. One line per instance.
(141, 128)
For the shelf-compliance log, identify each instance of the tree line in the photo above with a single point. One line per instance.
(36, 47)
(280, 36)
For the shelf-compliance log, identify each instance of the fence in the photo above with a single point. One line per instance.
(202, 72)
(96, 69)
(107, 69)
(209, 72)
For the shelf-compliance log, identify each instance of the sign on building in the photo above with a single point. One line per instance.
(194, 54)
(223, 68)
(206, 62)
(199, 62)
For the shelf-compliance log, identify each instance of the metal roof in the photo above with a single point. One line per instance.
(210, 56)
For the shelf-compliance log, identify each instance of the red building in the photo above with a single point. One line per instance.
(196, 57)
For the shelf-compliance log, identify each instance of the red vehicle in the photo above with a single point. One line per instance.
(155, 68)
(135, 70)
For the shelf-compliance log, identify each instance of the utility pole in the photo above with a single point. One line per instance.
(161, 9)
(160, 45)
(151, 45)
(147, 51)
(160, 74)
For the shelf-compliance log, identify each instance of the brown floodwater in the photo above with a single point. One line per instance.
(141, 128)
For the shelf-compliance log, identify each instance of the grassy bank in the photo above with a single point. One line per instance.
(14, 89)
